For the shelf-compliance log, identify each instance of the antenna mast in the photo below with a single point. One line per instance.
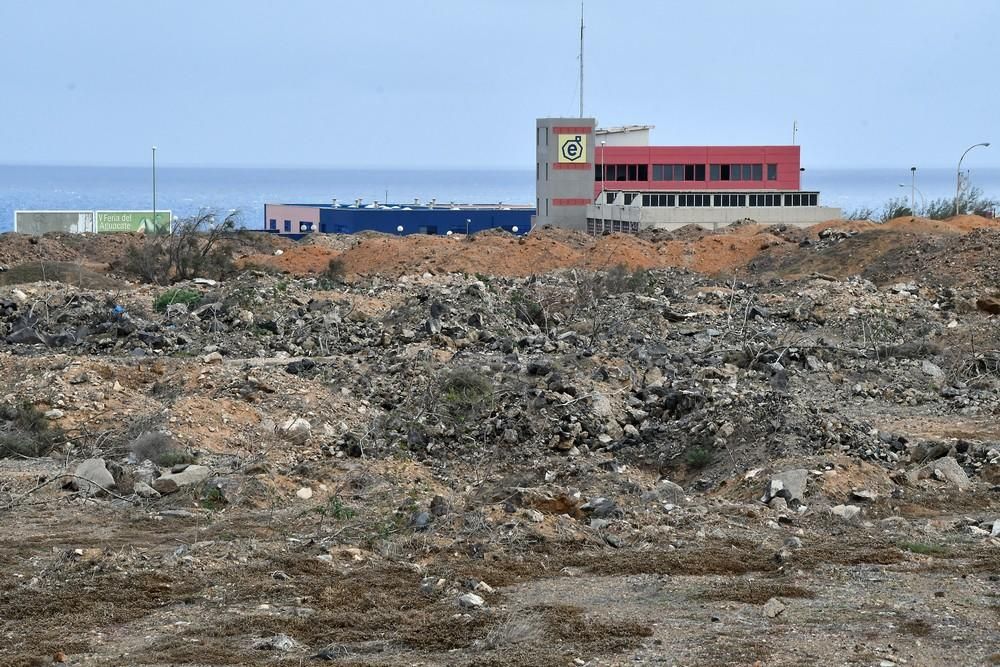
(581, 58)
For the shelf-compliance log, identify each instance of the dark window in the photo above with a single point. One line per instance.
(689, 172)
(747, 172)
(742, 200)
(772, 172)
(718, 201)
(629, 196)
(645, 200)
(598, 176)
(632, 172)
(758, 172)
(546, 171)
(288, 225)
(622, 173)
(538, 170)
(788, 200)
(714, 172)
(643, 172)
(610, 198)
(671, 200)
(699, 172)
(724, 171)
(274, 223)
(814, 200)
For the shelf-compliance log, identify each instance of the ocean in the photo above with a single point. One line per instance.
(186, 191)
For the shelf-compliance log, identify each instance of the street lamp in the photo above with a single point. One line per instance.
(154, 187)
(399, 229)
(514, 229)
(958, 178)
(913, 190)
(600, 200)
(923, 202)
(468, 221)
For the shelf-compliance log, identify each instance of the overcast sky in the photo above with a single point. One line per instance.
(458, 83)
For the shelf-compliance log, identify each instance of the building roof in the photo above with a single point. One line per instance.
(624, 129)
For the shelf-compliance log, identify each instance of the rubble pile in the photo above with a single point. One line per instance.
(416, 466)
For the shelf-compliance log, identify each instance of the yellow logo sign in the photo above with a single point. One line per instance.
(572, 148)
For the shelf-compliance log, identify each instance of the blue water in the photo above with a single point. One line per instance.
(186, 191)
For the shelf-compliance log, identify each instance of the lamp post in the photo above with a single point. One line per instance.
(154, 187)
(958, 177)
(913, 190)
(923, 202)
(600, 199)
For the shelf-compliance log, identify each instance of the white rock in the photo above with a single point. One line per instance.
(144, 490)
(296, 430)
(94, 472)
(535, 516)
(212, 358)
(174, 481)
(305, 493)
(471, 601)
(54, 413)
(846, 512)
(996, 528)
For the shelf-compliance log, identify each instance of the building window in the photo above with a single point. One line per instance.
(814, 200)
(633, 169)
(288, 225)
(273, 223)
(598, 176)
(643, 172)
(629, 196)
(622, 172)
(546, 171)
(757, 172)
(772, 172)
(610, 198)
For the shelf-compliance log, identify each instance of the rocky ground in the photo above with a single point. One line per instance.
(765, 447)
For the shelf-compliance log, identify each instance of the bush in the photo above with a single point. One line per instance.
(160, 448)
(698, 457)
(195, 247)
(190, 298)
(25, 431)
(465, 395)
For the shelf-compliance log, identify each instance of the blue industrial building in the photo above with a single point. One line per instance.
(298, 220)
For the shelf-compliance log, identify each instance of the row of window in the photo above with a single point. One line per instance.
(287, 226)
(685, 172)
(720, 200)
(611, 226)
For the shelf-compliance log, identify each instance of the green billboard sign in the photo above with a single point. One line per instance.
(141, 222)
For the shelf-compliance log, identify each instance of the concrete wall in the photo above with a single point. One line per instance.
(674, 217)
(564, 187)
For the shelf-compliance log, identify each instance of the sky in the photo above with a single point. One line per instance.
(459, 83)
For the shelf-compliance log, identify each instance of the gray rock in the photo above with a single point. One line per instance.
(773, 608)
(601, 508)
(669, 492)
(430, 585)
(995, 532)
(471, 601)
(144, 490)
(846, 512)
(945, 469)
(296, 430)
(778, 504)
(421, 520)
(172, 482)
(793, 543)
(54, 413)
(790, 485)
(864, 494)
(93, 472)
(931, 369)
(281, 642)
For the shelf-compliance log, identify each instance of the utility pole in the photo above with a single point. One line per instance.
(581, 58)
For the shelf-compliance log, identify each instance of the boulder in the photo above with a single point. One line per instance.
(94, 474)
(144, 490)
(471, 601)
(172, 482)
(846, 512)
(773, 608)
(790, 485)
(296, 430)
(945, 469)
